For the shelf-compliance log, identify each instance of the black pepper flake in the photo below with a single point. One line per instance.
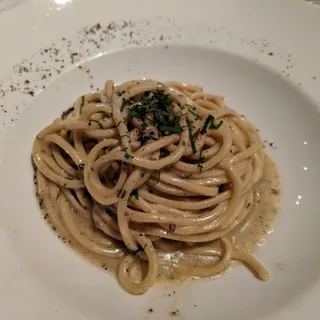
(54, 58)
(150, 310)
(270, 53)
(66, 113)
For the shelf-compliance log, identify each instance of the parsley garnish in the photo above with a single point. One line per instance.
(82, 101)
(170, 128)
(110, 213)
(201, 158)
(248, 205)
(164, 152)
(121, 93)
(195, 114)
(210, 121)
(162, 168)
(134, 252)
(125, 103)
(135, 194)
(159, 104)
(123, 193)
(193, 145)
(81, 166)
(213, 126)
(98, 122)
(128, 156)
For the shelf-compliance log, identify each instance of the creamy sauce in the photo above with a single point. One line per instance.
(246, 237)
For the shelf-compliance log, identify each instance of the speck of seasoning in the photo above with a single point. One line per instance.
(314, 78)
(150, 310)
(175, 313)
(270, 53)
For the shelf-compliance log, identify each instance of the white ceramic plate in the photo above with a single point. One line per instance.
(263, 56)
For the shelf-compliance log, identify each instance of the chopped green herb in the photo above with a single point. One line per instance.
(147, 122)
(201, 157)
(207, 122)
(216, 127)
(128, 156)
(159, 104)
(170, 129)
(121, 93)
(123, 193)
(164, 152)
(81, 166)
(146, 137)
(210, 122)
(187, 176)
(125, 103)
(184, 143)
(134, 252)
(248, 205)
(195, 114)
(64, 185)
(163, 168)
(111, 213)
(193, 145)
(135, 194)
(82, 101)
(98, 122)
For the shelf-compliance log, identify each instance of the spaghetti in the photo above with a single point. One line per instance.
(156, 177)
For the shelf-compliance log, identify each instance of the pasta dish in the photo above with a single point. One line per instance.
(156, 180)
